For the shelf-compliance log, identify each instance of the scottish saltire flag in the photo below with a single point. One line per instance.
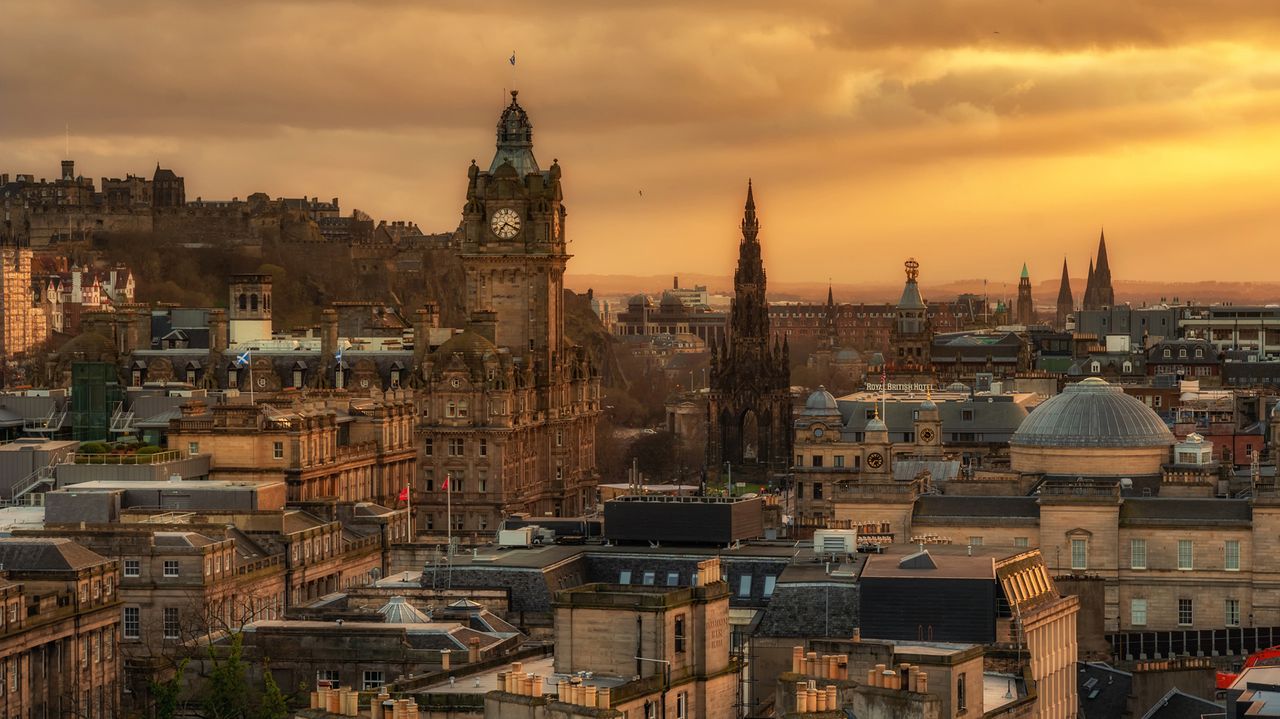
(243, 359)
(338, 354)
(512, 59)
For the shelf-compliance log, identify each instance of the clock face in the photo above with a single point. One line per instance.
(818, 432)
(455, 382)
(262, 382)
(505, 223)
(926, 434)
(875, 460)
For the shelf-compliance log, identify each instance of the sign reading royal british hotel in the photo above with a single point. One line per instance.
(898, 387)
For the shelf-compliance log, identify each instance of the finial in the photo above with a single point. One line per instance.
(912, 269)
(928, 392)
(877, 410)
(513, 95)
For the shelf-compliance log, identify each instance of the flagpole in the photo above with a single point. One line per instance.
(448, 500)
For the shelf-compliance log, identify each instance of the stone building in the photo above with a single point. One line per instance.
(508, 406)
(350, 449)
(1098, 485)
(61, 627)
(749, 403)
(23, 323)
(648, 651)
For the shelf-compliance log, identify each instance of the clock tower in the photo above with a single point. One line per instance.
(513, 246)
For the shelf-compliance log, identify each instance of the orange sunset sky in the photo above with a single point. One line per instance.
(973, 134)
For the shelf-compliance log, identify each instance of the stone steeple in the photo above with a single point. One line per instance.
(1066, 303)
(1105, 296)
(749, 405)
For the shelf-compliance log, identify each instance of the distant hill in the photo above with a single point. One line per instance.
(1045, 293)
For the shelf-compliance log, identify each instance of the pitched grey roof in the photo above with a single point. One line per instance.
(46, 555)
(1092, 413)
(399, 611)
(1203, 509)
(1177, 704)
(1102, 690)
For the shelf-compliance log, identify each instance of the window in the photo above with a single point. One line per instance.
(559, 437)
(799, 460)
(682, 705)
(426, 446)
(817, 490)
(679, 634)
(1184, 612)
(1231, 560)
(277, 450)
(648, 579)
(975, 541)
(769, 584)
(484, 447)
(1020, 542)
(961, 703)
(799, 490)
(1184, 554)
(462, 408)
(451, 409)
(1231, 612)
(372, 680)
(624, 577)
(839, 460)
(1137, 554)
(132, 623)
(132, 568)
(170, 567)
(744, 585)
(1079, 554)
(193, 448)
(817, 460)
(170, 622)
(673, 579)
(966, 415)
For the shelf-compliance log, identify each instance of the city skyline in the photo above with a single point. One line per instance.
(973, 136)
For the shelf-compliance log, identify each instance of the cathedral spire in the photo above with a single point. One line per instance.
(1066, 303)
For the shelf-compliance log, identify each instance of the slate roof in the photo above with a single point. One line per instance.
(810, 610)
(1179, 705)
(1179, 509)
(1103, 691)
(955, 506)
(46, 555)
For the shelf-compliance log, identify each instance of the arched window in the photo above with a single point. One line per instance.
(244, 301)
(253, 303)
(1095, 366)
(1182, 353)
(1128, 367)
(1167, 353)
(1199, 353)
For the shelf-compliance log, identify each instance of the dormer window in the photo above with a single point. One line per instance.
(1168, 353)
(1182, 353)
(1199, 353)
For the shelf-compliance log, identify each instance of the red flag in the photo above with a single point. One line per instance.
(404, 494)
(444, 487)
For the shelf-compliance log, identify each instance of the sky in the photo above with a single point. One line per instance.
(973, 135)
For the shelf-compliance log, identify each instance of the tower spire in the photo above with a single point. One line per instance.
(1066, 303)
(750, 223)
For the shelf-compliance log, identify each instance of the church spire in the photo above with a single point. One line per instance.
(1103, 294)
(1066, 303)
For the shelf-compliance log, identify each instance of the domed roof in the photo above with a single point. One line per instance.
(640, 301)
(821, 402)
(466, 342)
(1092, 413)
(928, 404)
(876, 425)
